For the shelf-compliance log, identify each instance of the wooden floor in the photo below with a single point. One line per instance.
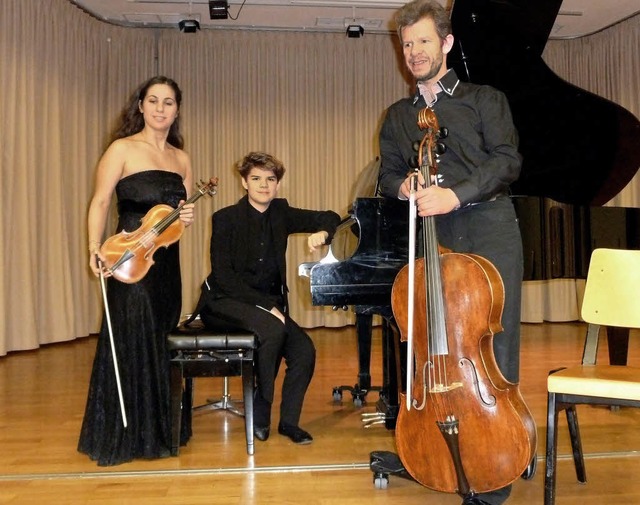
(42, 396)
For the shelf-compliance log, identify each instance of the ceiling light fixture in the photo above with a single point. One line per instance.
(189, 25)
(218, 9)
(355, 31)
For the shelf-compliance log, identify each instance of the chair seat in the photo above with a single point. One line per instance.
(197, 351)
(605, 381)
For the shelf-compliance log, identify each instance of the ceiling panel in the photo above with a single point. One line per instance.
(576, 18)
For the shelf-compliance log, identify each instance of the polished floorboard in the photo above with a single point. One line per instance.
(42, 396)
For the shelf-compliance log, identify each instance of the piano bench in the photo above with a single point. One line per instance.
(200, 352)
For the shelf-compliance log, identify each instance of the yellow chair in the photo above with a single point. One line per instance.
(611, 298)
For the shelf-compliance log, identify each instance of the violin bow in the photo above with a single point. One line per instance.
(413, 215)
(103, 288)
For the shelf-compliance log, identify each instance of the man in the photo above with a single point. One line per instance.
(470, 199)
(247, 287)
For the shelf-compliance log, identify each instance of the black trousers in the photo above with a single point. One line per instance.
(276, 341)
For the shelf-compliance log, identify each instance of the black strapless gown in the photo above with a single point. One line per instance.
(141, 316)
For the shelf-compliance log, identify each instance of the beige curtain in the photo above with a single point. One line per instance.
(314, 100)
(64, 77)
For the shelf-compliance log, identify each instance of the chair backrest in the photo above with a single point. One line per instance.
(612, 292)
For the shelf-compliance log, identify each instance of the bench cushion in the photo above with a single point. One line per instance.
(195, 337)
(210, 341)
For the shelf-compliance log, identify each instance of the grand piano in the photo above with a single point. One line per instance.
(364, 257)
(579, 151)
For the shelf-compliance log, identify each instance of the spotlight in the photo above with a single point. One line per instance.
(189, 25)
(218, 9)
(355, 31)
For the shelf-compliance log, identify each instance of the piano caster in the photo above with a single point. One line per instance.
(358, 394)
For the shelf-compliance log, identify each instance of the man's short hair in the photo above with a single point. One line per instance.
(416, 10)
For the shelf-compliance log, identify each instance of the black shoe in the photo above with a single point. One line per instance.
(261, 432)
(297, 435)
(474, 500)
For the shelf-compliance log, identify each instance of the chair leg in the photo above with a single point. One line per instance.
(176, 407)
(576, 444)
(224, 403)
(248, 391)
(551, 450)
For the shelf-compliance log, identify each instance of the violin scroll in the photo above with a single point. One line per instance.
(210, 188)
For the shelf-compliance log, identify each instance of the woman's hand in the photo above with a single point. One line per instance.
(94, 255)
(186, 213)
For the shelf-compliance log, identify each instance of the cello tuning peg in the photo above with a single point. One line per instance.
(444, 132)
(440, 148)
(416, 146)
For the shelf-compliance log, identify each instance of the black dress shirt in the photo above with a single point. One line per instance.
(481, 158)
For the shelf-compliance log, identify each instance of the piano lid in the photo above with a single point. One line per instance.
(577, 147)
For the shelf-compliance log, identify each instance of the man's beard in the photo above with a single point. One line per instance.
(433, 70)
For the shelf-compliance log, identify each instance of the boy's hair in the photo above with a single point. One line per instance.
(260, 160)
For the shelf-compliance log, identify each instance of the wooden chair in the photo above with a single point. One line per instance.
(611, 298)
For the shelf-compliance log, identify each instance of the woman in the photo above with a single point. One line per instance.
(146, 166)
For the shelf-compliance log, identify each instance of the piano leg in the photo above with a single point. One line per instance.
(391, 374)
(364, 328)
(618, 340)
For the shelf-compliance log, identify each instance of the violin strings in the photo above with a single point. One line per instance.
(145, 240)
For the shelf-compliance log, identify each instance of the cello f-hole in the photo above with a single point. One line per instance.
(489, 400)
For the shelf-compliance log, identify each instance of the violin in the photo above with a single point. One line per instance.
(129, 255)
(461, 427)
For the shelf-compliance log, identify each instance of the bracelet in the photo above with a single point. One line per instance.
(93, 245)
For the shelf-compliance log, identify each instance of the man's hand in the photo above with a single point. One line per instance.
(405, 188)
(435, 200)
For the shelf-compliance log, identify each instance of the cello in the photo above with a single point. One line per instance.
(462, 427)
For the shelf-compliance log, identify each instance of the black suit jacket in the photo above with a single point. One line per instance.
(230, 244)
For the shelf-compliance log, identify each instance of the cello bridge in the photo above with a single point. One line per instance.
(445, 388)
